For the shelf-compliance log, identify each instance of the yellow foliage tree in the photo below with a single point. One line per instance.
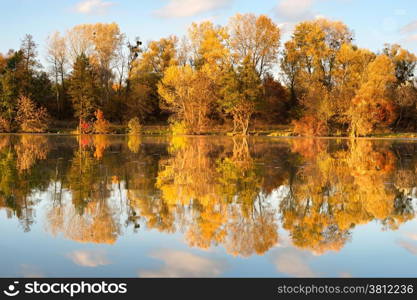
(373, 105)
(188, 93)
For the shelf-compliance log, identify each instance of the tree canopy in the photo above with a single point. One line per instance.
(316, 82)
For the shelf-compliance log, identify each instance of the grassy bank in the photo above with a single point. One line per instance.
(257, 129)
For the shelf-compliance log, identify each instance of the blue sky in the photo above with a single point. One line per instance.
(373, 22)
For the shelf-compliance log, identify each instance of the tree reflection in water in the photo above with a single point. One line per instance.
(231, 192)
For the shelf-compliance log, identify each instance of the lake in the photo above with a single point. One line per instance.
(131, 206)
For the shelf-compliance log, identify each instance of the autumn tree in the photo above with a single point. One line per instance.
(210, 54)
(188, 94)
(209, 46)
(405, 92)
(58, 58)
(241, 94)
(147, 71)
(256, 37)
(79, 41)
(82, 88)
(373, 105)
(350, 71)
(100, 42)
(308, 63)
(30, 117)
(106, 40)
(157, 56)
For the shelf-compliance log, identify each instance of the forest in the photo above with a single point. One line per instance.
(317, 83)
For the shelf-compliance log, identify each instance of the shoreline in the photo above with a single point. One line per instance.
(401, 136)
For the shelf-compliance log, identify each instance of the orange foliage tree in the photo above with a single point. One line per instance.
(30, 117)
(373, 105)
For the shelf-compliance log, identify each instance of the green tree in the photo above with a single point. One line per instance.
(83, 89)
(147, 71)
(10, 78)
(241, 94)
(30, 64)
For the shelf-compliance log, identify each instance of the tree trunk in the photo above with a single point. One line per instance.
(57, 89)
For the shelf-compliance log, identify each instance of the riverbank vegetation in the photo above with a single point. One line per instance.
(316, 83)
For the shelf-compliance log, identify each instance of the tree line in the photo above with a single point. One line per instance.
(318, 81)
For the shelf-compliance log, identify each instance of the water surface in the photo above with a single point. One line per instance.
(134, 206)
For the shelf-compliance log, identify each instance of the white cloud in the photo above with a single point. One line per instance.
(409, 32)
(410, 27)
(295, 10)
(290, 12)
(411, 235)
(411, 248)
(412, 38)
(89, 258)
(188, 8)
(93, 7)
(31, 271)
(293, 264)
(184, 264)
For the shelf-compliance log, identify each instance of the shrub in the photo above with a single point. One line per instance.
(30, 117)
(134, 126)
(101, 125)
(5, 125)
(310, 126)
(86, 127)
(179, 128)
(367, 116)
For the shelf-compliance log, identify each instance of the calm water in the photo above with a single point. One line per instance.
(206, 206)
